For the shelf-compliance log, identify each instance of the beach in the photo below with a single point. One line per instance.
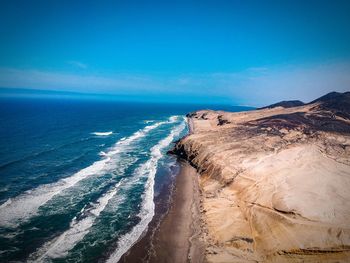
(176, 240)
(174, 235)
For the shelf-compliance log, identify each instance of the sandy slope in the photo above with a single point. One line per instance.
(275, 184)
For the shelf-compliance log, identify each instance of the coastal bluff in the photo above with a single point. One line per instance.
(274, 182)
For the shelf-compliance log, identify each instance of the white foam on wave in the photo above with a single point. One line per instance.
(102, 153)
(148, 121)
(102, 133)
(8, 202)
(27, 204)
(173, 118)
(147, 169)
(141, 133)
(24, 206)
(61, 245)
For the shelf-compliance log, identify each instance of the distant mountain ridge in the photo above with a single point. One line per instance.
(327, 111)
(337, 102)
(332, 96)
(285, 104)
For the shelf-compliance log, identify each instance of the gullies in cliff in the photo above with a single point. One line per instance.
(274, 182)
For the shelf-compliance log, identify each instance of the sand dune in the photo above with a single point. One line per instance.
(274, 182)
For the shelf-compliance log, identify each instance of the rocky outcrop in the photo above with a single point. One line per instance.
(274, 182)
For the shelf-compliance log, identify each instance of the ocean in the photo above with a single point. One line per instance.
(78, 178)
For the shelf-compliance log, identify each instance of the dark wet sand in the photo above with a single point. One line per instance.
(175, 237)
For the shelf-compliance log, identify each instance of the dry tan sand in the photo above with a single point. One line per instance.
(275, 184)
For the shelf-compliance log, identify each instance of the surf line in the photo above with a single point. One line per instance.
(60, 246)
(147, 169)
(102, 133)
(21, 208)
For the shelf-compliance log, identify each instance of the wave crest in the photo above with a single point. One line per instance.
(102, 133)
(60, 246)
(20, 208)
(147, 169)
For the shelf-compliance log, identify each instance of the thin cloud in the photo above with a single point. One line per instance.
(36, 79)
(254, 86)
(77, 64)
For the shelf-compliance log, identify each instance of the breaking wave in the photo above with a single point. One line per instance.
(148, 170)
(102, 133)
(60, 246)
(18, 209)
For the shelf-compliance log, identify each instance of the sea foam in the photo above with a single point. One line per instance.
(60, 246)
(147, 169)
(18, 209)
(102, 133)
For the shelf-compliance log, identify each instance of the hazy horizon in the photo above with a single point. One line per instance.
(228, 52)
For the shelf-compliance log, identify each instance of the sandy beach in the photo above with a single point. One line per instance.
(177, 239)
(174, 235)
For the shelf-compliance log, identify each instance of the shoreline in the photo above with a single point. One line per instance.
(171, 210)
(173, 234)
(251, 206)
(177, 238)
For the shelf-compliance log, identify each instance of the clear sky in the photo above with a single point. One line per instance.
(237, 52)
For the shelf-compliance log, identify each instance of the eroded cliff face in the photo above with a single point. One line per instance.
(275, 183)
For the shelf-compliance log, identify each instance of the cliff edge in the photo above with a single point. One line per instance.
(274, 182)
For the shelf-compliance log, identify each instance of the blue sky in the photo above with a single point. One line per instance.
(237, 52)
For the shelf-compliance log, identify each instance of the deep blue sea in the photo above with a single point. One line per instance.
(78, 178)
